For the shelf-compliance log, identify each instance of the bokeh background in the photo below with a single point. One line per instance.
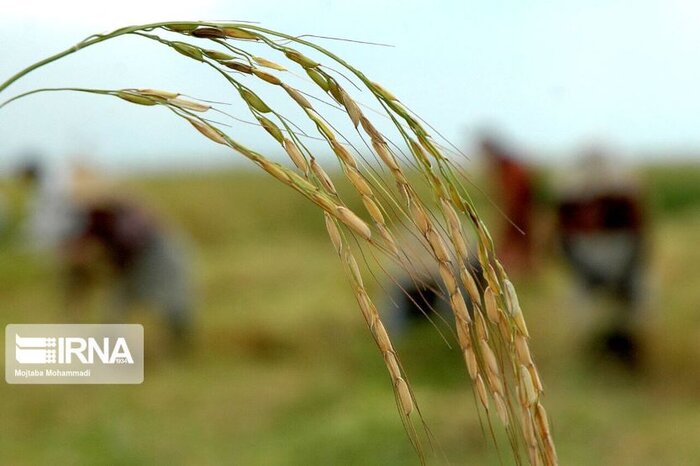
(281, 369)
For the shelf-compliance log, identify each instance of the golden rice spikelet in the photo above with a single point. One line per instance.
(299, 182)
(459, 243)
(379, 89)
(366, 306)
(469, 284)
(491, 305)
(209, 131)
(455, 229)
(512, 297)
(419, 217)
(519, 320)
(429, 146)
(343, 154)
(371, 131)
(481, 391)
(471, 362)
(295, 155)
(437, 245)
(334, 90)
(533, 453)
(392, 364)
(536, 381)
(504, 326)
(269, 64)
(404, 396)
(482, 332)
(418, 152)
(351, 107)
(380, 334)
(358, 181)
(238, 66)
(300, 58)
(447, 277)
(463, 333)
(514, 308)
(484, 234)
(550, 451)
(322, 177)
(355, 223)
(529, 392)
(275, 170)
(297, 96)
(321, 124)
(496, 384)
(387, 157)
(237, 33)
(159, 93)
(501, 409)
(354, 268)
(189, 104)
(541, 419)
(492, 278)
(135, 98)
(545, 434)
(522, 350)
(272, 79)
(324, 202)
(459, 306)
(501, 271)
(489, 357)
(389, 239)
(528, 429)
(373, 210)
(334, 233)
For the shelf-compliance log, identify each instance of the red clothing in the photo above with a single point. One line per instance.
(516, 187)
(515, 246)
(122, 229)
(605, 212)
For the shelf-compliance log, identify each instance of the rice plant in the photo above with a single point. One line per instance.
(395, 152)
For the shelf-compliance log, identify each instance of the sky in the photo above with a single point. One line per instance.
(551, 76)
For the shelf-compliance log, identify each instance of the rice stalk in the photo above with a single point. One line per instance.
(493, 337)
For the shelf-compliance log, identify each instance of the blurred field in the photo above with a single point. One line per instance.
(284, 372)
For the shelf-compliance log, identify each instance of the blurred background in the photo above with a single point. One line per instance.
(581, 125)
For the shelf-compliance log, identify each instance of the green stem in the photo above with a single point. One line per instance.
(58, 56)
(53, 89)
(92, 40)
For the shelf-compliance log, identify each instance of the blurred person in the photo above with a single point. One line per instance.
(602, 232)
(148, 264)
(50, 209)
(74, 213)
(515, 184)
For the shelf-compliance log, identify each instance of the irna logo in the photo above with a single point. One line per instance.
(67, 350)
(73, 353)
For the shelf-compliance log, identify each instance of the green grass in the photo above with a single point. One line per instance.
(674, 189)
(285, 373)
